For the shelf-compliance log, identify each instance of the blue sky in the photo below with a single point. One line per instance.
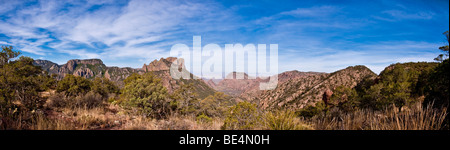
(320, 36)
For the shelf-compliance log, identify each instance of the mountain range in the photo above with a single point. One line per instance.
(295, 89)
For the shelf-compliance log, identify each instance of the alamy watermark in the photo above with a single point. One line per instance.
(214, 62)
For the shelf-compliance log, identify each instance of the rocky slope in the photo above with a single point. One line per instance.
(307, 90)
(247, 89)
(295, 89)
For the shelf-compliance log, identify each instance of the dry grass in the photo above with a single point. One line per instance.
(40, 122)
(415, 118)
(172, 123)
(99, 118)
(113, 117)
(284, 120)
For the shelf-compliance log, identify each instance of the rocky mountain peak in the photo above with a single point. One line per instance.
(159, 65)
(233, 75)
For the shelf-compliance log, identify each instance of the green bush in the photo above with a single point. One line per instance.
(202, 118)
(184, 100)
(243, 116)
(104, 87)
(215, 105)
(345, 98)
(74, 85)
(147, 94)
(311, 111)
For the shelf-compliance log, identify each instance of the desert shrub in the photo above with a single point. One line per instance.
(74, 91)
(184, 100)
(215, 105)
(345, 98)
(90, 100)
(74, 85)
(147, 94)
(104, 87)
(310, 111)
(242, 116)
(57, 100)
(202, 118)
(283, 120)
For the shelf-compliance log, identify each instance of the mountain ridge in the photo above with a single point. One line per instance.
(295, 89)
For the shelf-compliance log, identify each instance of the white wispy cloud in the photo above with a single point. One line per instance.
(316, 11)
(123, 29)
(137, 31)
(376, 56)
(398, 14)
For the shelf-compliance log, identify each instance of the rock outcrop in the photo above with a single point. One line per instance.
(87, 68)
(159, 65)
(327, 96)
(161, 68)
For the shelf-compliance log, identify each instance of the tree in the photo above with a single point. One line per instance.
(20, 81)
(438, 89)
(6, 93)
(7, 54)
(444, 49)
(146, 93)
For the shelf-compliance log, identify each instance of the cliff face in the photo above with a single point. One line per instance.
(88, 68)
